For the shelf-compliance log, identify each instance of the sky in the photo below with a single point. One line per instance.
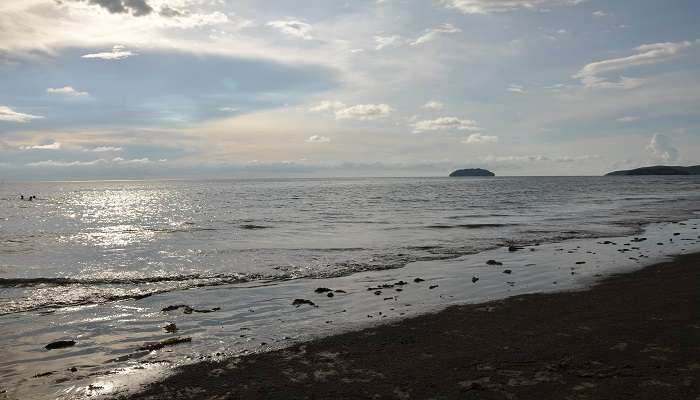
(142, 89)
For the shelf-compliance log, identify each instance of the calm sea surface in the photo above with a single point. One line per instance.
(93, 242)
(100, 262)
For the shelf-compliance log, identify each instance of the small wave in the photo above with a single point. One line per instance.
(186, 228)
(253, 227)
(56, 281)
(467, 226)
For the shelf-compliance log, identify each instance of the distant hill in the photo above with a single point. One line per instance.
(658, 170)
(472, 172)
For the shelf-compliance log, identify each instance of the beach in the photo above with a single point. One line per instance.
(634, 335)
(105, 292)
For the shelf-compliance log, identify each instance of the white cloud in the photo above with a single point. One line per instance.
(599, 13)
(662, 149)
(572, 159)
(104, 149)
(227, 109)
(118, 161)
(50, 146)
(431, 34)
(628, 119)
(292, 27)
(118, 52)
(480, 138)
(515, 89)
(359, 111)
(327, 105)
(444, 123)
(528, 158)
(364, 112)
(318, 139)
(590, 75)
(67, 90)
(434, 105)
(491, 6)
(9, 115)
(387, 41)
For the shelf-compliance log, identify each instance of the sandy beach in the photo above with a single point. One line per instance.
(633, 336)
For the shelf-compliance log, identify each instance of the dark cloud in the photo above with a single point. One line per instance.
(169, 12)
(136, 8)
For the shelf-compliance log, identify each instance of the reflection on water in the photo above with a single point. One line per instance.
(89, 242)
(97, 261)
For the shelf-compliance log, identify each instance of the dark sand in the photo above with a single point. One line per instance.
(634, 336)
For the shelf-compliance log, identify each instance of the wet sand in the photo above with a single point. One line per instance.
(633, 336)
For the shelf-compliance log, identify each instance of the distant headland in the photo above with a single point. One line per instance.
(658, 170)
(472, 172)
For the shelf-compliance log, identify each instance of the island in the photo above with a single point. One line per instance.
(658, 170)
(472, 172)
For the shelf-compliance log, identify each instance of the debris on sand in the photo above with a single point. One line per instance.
(507, 271)
(300, 302)
(418, 280)
(322, 290)
(176, 307)
(474, 279)
(493, 262)
(170, 328)
(431, 287)
(188, 310)
(514, 248)
(61, 344)
(165, 343)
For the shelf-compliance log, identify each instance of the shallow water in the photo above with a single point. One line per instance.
(96, 261)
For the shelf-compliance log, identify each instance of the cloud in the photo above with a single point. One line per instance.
(318, 139)
(169, 12)
(327, 105)
(432, 34)
(364, 112)
(9, 115)
(292, 27)
(49, 146)
(228, 109)
(480, 138)
(628, 119)
(515, 89)
(433, 105)
(136, 8)
(118, 52)
(117, 161)
(492, 6)
(662, 149)
(599, 13)
(359, 111)
(104, 149)
(590, 75)
(573, 159)
(445, 123)
(67, 90)
(387, 41)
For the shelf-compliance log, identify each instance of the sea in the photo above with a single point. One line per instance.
(98, 262)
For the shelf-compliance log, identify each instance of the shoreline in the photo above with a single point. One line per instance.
(631, 335)
(265, 320)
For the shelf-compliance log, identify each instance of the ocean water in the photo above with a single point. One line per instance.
(96, 261)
